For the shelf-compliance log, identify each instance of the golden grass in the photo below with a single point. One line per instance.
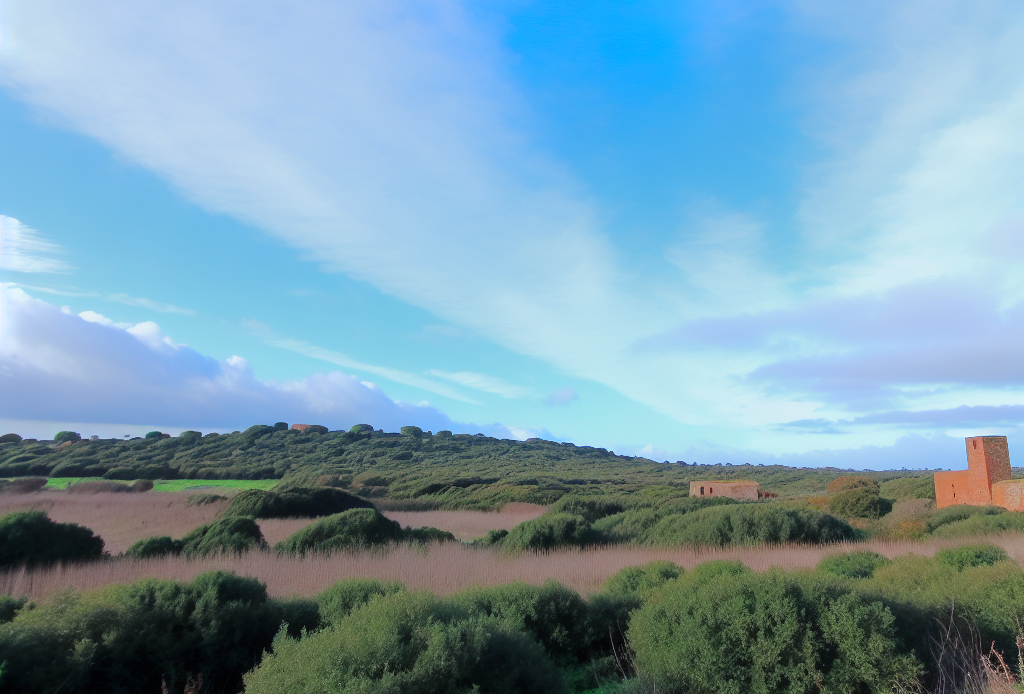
(447, 568)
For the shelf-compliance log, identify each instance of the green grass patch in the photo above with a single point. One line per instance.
(171, 485)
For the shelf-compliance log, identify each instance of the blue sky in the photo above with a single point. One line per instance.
(722, 232)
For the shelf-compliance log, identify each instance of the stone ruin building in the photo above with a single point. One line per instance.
(741, 490)
(985, 482)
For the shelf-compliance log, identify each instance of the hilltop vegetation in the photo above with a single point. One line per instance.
(416, 469)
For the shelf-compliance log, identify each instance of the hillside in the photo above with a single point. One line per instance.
(412, 469)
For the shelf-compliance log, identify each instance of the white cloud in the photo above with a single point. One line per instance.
(57, 366)
(483, 383)
(23, 249)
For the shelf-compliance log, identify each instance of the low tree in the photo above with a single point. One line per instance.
(30, 537)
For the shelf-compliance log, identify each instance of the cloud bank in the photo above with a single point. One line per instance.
(60, 367)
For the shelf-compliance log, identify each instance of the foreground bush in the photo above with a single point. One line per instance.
(293, 502)
(766, 633)
(853, 565)
(128, 639)
(747, 524)
(641, 581)
(30, 537)
(969, 556)
(338, 601)
(407, 642)
(555, 616)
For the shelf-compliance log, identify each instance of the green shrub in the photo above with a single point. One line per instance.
(493, 537)
(293, 502)
(848, 482)
(853, 564)
(154, 434)
(25, 485)
(361, 527)
(204, 499)
(859, 503)
(63, 436)
(590, 509)
(982, 524)
(415, 432)
(969, 556)
(556, 616)
(954, 514)
(338, 601)
(126, 639)
(746, 524)
(903, 488)
(316, 429)
(10, 438)
(31, 538)
(549, 531)
(407, 642)
(154, 547)
(224, 536)
(361, 429)
(9, 607)
(641, 581)
(766, 633)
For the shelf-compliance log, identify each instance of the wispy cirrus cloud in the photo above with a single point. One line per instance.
(23, 249)
(118, 298)
(483, 383)
(340, 359)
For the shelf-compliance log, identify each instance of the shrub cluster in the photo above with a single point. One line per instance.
(224, 536)
(30, 537)
(717, 629)
(293, 502)
(354, 529)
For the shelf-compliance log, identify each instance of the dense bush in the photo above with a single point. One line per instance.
(853, 564)
(591, 509)
(9, 607)
(903, 488)
(224, 536)
(955, 514)
(859, 503)
(557, 617)
(338, 601)
(10, 438)
(641, 581)
(748, 524)
(154, 547)
(407, 642)
(848, 482)
(549, 531)
(969, 556)
(30, 537)
(204, 499)
(64, 436)
(293, 502)
(128, 639)
(766, 633)
(348, 530)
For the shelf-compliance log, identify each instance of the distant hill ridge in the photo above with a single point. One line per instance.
(414, 469)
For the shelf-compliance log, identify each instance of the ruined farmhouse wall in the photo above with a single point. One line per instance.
(985, 481)
(742, 491)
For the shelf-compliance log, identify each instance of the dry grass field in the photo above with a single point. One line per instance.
(121, 519)
(447, 568)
